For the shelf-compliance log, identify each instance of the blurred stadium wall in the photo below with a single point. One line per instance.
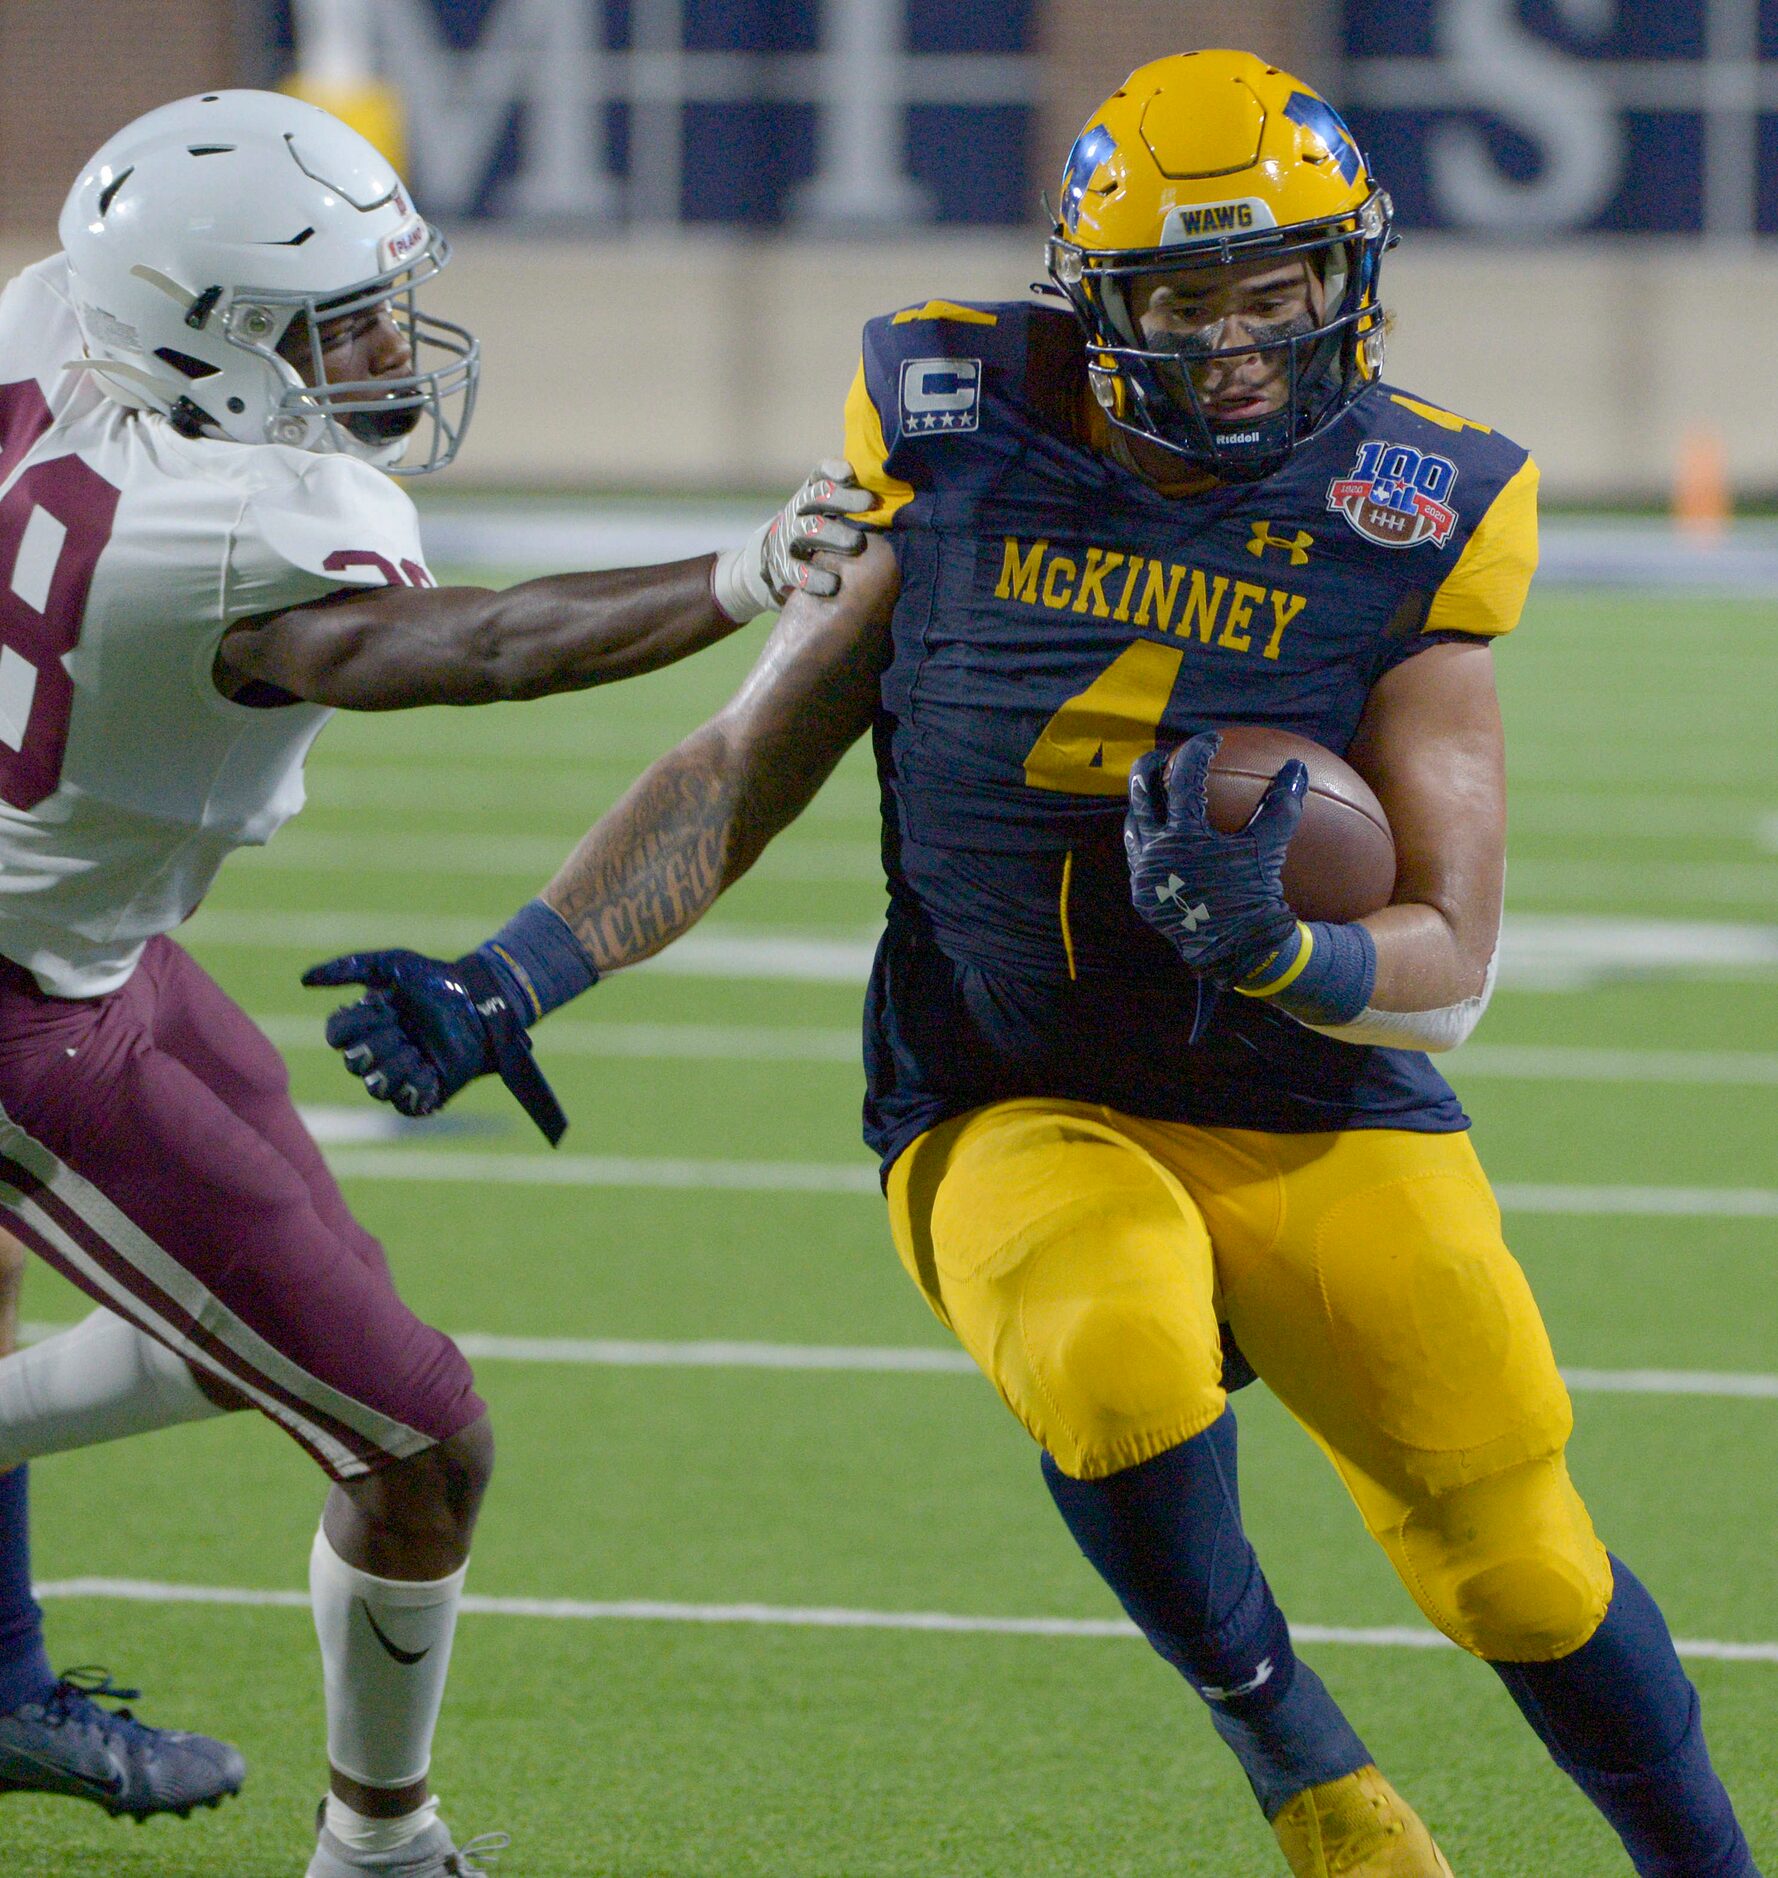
(673, 215)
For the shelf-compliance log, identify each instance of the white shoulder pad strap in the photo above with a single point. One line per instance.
(1442, 1029)
(334, 523)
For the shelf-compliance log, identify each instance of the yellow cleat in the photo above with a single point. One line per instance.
(1357, 1827)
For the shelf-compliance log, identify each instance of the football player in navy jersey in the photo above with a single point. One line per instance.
(1131, 1111)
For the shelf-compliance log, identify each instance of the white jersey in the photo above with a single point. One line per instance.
(126, 551)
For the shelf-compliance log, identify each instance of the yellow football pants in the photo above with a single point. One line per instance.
(1083, 1258)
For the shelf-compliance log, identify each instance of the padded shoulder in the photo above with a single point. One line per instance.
(1476, 447)
(311, 525)
(1484, 594)
(1493, 493)
(934, 381)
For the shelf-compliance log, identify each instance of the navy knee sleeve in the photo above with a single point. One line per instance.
(1166, 1536)
(1620, 1718)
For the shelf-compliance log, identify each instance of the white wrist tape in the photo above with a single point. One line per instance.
(736, 583)
(1442, 1029)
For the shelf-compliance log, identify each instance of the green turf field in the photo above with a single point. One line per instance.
(1646, 786)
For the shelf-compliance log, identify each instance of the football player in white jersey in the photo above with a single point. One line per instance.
(200, 555)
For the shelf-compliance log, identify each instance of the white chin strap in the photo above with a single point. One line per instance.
(337, 440)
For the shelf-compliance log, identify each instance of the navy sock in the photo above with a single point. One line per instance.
(1166, 1536)
(1620, 1718)
(25, 1674)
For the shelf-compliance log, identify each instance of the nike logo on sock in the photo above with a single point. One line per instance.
(407, 1658)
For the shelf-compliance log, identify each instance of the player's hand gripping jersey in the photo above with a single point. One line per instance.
(1057, 618)
(126, 550)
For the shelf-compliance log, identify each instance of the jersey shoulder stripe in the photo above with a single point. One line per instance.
(1484, 594)
(955, 310)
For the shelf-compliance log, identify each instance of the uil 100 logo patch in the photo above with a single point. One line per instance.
(1397, 496)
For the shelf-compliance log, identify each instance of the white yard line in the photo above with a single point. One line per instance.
(521, 857)
(1530, 1062)
(1543, 951)
(1669, 1382)
(934, 1360)
(617, 1353)
(702, 1043)
(1641, 1202)
(810, 1617)
(604, 1170)
(718, 952)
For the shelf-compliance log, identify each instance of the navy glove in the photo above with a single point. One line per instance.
(428, 1026)
(1217, 899)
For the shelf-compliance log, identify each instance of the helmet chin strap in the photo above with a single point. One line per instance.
(337, 440)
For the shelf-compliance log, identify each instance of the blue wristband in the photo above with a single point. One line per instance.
(1322, 974)
(538, 961)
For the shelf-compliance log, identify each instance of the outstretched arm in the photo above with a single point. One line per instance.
(391, 648)
(697, 820)
(692, 825)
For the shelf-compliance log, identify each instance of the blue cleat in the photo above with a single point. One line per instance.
(69, 1744)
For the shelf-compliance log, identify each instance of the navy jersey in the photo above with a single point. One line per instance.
(1057, 617)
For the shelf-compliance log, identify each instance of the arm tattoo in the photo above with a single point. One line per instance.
(652, 866)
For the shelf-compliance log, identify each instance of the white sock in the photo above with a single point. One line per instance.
(99, 1381)
(360, 1834)
(385, 1649)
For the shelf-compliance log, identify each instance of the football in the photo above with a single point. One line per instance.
(1341, 863)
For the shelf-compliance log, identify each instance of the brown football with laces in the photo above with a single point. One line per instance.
(1341, 861)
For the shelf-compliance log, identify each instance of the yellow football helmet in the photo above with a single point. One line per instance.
(1207, 160)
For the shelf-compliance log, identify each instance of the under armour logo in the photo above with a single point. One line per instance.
(1260, 1678)
(1172, 895)
(1297, 546)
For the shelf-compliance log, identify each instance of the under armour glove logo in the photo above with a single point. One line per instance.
(1190, 917)
(1215, 898)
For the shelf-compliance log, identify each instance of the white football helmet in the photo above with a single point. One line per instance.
(201, 233)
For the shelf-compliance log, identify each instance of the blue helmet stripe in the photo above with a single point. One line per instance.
(1318, 115)
(1094, 147)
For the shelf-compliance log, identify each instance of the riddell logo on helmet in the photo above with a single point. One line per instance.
(1396, 495)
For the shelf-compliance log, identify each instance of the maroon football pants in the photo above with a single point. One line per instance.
(150, 1152)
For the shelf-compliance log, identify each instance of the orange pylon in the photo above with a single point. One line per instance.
(1702, 501)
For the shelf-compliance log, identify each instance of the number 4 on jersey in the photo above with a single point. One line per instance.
(1087, 748)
